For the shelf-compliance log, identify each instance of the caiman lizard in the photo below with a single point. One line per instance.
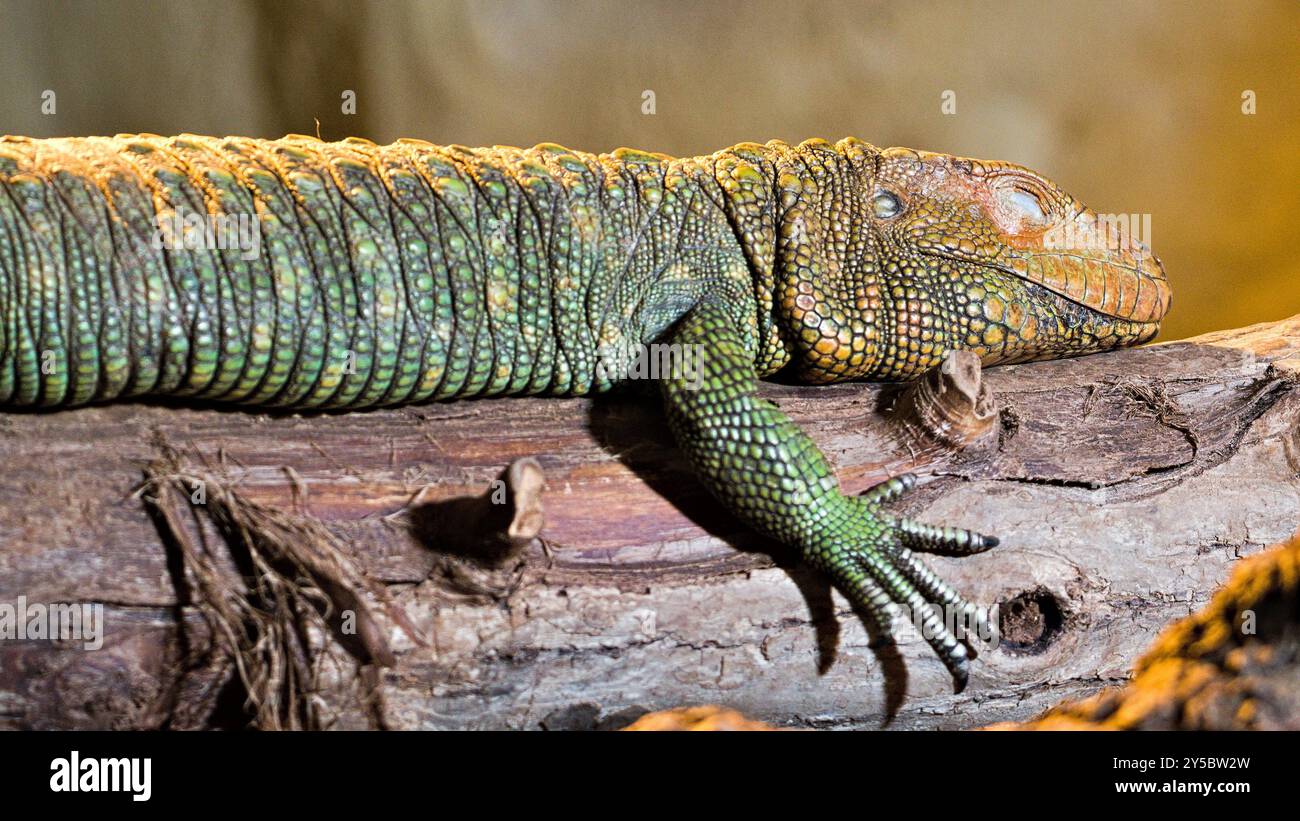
(384, 275)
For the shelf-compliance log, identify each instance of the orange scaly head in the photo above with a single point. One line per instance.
(1016, 268)
(888, 258)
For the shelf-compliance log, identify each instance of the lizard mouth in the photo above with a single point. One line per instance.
(1092, 260)
(1127, 284)
(1124, 285)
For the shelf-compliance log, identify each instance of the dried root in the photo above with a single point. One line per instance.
(275, 600)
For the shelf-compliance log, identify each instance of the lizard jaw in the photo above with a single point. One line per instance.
(1123, 280)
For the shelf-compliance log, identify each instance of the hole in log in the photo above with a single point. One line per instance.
(574, 717)
(1030, 622)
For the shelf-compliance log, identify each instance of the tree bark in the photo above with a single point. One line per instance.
(1123, 487)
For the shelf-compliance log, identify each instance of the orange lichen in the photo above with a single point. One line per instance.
(708, 717)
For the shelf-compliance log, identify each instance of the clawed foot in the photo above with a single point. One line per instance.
(875, 566)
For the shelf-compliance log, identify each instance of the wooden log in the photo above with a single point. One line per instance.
(1123, 486)
(1233, 665)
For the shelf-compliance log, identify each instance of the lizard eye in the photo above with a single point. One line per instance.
(1020, 205)
(1026, 203)
(886, 204)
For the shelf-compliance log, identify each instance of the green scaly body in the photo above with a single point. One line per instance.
(413, 272)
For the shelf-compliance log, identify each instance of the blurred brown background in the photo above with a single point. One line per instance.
(1132, 107)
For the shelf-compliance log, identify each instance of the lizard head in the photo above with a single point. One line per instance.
(992, 257)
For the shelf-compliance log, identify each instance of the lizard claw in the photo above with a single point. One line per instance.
(889, 489)
(880, 598)
(947, 541)
(882, 571)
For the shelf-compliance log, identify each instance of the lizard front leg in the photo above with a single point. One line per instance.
(771, 475)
